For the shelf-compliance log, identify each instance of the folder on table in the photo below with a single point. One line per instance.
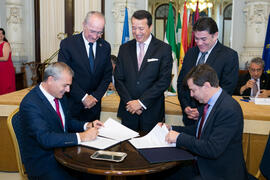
(155, 149)
(165, 154)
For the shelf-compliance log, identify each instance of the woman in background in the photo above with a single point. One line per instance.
(7, 71)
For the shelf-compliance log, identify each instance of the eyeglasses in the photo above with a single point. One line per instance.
(99, 33)
(255, 70)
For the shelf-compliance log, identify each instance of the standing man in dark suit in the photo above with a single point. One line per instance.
(255, 82)
(47, 124)
(216, 139)
(142, 74)
(89, 57)
(209, 51)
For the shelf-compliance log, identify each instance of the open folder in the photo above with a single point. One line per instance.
(155, 149)
(112, 133)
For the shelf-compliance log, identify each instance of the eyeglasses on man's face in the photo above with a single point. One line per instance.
(255, 70)
(99, 33)
(91, 31)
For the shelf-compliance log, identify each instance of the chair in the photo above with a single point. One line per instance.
(15, 130)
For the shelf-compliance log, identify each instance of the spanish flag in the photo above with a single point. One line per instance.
(184, 40)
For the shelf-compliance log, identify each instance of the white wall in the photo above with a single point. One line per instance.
(238, 26)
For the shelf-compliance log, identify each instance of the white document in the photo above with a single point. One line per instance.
(262, 101)
(154, 139)
(100, 143)
(115, 130)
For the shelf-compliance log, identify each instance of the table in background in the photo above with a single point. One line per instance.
(78, 158)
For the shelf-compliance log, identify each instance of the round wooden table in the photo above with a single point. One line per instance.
(78, 158)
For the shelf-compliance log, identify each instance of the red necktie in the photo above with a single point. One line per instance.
(58, 110)
(202, 120)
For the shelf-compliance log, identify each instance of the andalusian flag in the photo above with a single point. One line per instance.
(170, 39)
(178, 35)
(184, 40)
(125, 36)
(266, 49)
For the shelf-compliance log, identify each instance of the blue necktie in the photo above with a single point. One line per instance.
(91, 57)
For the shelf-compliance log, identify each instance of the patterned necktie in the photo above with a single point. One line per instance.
(91, 57)
(141, 55)
(58, 111)
(255, 89)
(202, 58)
(205, 109)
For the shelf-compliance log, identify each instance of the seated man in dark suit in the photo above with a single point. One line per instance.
(255, 83)
(216, 139)
(47, 124)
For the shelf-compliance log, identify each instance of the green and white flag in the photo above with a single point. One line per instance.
(170, 39)
(178, 35)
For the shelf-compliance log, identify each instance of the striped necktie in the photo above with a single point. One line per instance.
(202, 58)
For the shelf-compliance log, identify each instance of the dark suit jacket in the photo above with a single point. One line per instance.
(219, 149)
(73, 53)
(147, 85)
(264, 84)
(222, 59)
(265, 163)
(43, 132)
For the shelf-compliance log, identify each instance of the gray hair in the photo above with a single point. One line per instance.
(55, 70)
(258, 61)
(90, 13)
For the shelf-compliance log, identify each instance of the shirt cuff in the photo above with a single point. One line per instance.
(84, 97)
(84, 126)
(78, 138)
(144, 107)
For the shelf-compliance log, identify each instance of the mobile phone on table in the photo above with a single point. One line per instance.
(109, 156)
(246, 97)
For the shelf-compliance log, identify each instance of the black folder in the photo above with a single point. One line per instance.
(165, 154)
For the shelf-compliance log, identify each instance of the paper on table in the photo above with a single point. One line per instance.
(262, 101)
(100, 143)
(154, 139)
(114, 130)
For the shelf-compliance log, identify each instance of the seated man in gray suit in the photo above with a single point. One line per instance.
(216, 139)
(255, 82)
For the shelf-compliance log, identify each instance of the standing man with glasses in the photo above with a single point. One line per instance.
(208, 51)
(255, 82)
(89, 57)
(142, 74)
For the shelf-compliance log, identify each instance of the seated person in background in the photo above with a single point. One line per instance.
(255, 82)
(47, 124)
(111, 85)
(216, 138)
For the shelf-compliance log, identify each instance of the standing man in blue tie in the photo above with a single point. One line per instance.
(142, 74)
(209, 51)
(89, 57)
